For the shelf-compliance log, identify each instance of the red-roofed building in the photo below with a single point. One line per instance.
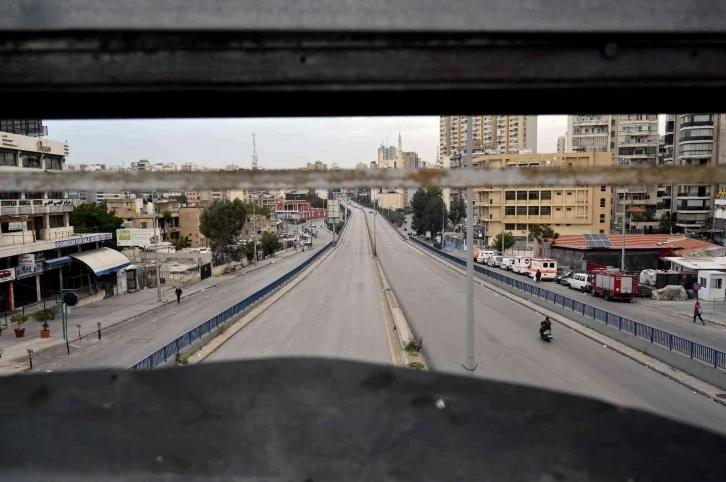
(642, 251)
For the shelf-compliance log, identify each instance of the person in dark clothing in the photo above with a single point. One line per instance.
(545, 325)
(538, 275)
(697, 310)
(178, 294)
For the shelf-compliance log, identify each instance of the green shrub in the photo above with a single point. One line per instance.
(417, 365)
(45, 314)
(19, 319)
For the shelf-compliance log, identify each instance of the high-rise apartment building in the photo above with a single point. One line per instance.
(562, 144)
(693, 140)
(633, 141)
(508, 134)
(567, 209)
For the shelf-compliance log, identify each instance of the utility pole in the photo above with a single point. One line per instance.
(254, 225)
(156, 255)
(375, 210)
(622, 254)
(470, 365)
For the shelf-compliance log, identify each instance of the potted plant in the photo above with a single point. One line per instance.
(45, 332)
(46, 314)
(19, 319)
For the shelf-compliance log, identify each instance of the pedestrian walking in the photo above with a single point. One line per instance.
(538, 275)
(697, 310)
(178, 294)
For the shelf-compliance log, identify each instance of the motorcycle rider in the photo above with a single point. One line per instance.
(545, 325)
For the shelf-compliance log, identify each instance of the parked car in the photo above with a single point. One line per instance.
(437, 245)
(494, 261)
(503, 263)
(580, 282)
(560, 278)
(483, 255)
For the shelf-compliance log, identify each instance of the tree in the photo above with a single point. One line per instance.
(428, 210)
(95, 217)
(181, 243)
(509, 241)
(270, 243)
(222, 222)
(667, 222)
(542, 233)
(315, 200)
(183, 199)
(257, 209)
(458, 210)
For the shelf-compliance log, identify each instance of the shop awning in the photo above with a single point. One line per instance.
(102, 261)
(55, 262)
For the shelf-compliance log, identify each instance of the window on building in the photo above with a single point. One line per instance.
(603, 188)
(55, 195)
(558, 193)
(521, 210)
(31, 160)
(33, 195)
(569, 193)
(521, 195)
(510, 195)
(56, 221)
(533, 211)
(545, 195)
(7, 158)
(144, 225)
(509, 227)
(533, 195)
(703, 282)
(602, 219)
(9, 195)
(568, 224)
(509, 210)
(602, 231)
(545, 211)
(717, 283)
(522, 227)
(569, 209)
(53, 162)
(558, 209)
(602, 202)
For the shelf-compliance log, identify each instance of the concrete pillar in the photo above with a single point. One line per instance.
(38, 291)
(11, 297)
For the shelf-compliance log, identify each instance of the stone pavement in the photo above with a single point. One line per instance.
(110, 311)
(685, 309)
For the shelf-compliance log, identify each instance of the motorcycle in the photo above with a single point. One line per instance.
(546, 335)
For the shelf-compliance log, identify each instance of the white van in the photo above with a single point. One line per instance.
(510, 265)
(580, 281)
(521, 266)
(546, 266)
(494, 260)
(503, 263)
(483, 255)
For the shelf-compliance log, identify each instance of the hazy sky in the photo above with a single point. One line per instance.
(281, 143)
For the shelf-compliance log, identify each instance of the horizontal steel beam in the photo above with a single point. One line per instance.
(30, 180)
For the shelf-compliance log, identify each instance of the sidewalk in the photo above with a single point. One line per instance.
(110, 312)
(685, 308)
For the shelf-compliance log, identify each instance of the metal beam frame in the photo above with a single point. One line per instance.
(30, 180)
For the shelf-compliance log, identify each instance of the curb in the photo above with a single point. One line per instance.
(403, 329)
(612, 344)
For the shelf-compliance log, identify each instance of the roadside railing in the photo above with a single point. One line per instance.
(705, 354)
(170, 350)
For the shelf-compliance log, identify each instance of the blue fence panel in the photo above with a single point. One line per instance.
(661, 337)
(681, 345)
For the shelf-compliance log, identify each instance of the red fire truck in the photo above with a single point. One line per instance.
(614, 285)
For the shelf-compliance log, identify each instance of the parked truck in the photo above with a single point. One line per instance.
(614, 286)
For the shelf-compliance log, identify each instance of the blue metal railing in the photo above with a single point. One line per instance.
(170, 350)
(705, 354)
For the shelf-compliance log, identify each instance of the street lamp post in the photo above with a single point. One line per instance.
(470, 365)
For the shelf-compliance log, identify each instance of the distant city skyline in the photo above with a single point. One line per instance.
(283, 143)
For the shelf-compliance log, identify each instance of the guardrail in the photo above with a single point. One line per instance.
(696, 351)
(170, 350)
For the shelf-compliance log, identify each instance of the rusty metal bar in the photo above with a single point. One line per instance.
(31, 180)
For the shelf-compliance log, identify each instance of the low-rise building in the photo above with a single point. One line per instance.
(40, 251)
(567, 209)
(143, 214)
(189, 219)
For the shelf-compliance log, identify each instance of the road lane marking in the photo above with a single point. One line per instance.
(288, 345)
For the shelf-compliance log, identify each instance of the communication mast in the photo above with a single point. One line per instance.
(254, 154)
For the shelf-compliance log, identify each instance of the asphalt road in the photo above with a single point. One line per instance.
(125, 344)
(507, 346)
(713, 335)
(337, 311)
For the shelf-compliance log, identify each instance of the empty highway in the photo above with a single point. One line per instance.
(507, 345)
(337, 311)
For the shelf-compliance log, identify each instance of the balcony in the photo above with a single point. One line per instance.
(632, 190)
(703, 209)
(695, 194)
(24, 207)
